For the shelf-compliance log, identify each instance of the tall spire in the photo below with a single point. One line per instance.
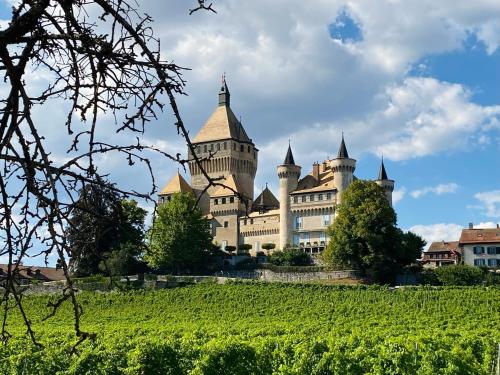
(382, 174)
(342, 154)
(289, 156)
(224, 95)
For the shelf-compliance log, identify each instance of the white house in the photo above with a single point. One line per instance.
(481, 247)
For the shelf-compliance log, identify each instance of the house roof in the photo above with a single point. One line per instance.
(441, 246)
(230, 186)
(176, 185)
(35, 273)
(472, 236)
(262, 214)
(222, 124)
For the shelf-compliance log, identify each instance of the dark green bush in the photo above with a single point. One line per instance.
(290, 257)
(461, 274)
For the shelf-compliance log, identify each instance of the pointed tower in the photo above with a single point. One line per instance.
(343, 170)
(176, 185)
(225, 149)
(288, 174)
(384, 182)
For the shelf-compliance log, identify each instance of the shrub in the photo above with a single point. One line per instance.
(460, 275)
(268, 246)
(245, 247)
(289, 257)
(230, 249)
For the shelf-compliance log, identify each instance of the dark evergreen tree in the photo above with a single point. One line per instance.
(105, 233)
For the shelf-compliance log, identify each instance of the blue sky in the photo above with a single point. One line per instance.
(415, 81)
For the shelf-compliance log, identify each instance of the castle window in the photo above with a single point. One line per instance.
(225, 145)
(216, 202)
(248, 149)
(205, 148)
(311, 198)
(295, 199)
(231, 199)
(320, 197)
(234, 146)
(298, 222)
(254, 154)
(326, 220)
(218, 146)
(251, 221)
(328, 196)
(223, 200)
(162, 200)
(212, 147)
(242, 148)
(303, 198)
(226, 224)
(245, 222)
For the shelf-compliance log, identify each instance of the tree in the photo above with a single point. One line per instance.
(268, 247)
(100, 57)
(246, 247)
(180, 237)
(364, 235)
(105, 233)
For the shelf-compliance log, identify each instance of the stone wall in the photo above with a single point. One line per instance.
(268, 275)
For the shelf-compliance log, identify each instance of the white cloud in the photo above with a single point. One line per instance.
(489, 202)
(438, 232)
(440, 189)
(398, 195)
(444, 231)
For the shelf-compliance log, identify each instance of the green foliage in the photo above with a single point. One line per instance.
(264, 328)
(289, 257)
(105, 233)
(460, 274)
(180, 237)
(364, 235)
(268, 246)
(230, 248)
(245, 247)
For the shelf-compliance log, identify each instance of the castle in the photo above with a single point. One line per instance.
(306, 206)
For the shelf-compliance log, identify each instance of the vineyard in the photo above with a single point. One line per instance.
(264, 328)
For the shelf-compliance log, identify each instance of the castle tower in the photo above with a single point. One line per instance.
(225, 150)
(385, 183)
(343, 169)
(288, 174)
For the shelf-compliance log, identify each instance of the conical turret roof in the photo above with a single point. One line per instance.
(289, 157)
(342, 154)
(382, 174)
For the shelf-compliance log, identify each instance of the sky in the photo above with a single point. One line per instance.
(414, 81)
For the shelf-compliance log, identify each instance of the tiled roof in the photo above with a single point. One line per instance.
(35, 273)
(471, 236)
(443, 246)
(176, 185)
(229, 182)
(222, 124)
(309, 184)
(265, 201)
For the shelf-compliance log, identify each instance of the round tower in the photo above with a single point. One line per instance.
(343, 170)
(288, 174)
(384, 182)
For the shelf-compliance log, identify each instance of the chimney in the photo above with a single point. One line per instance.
(316, 171)
(471, 225)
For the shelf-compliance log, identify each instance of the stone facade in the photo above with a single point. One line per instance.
(306, 206)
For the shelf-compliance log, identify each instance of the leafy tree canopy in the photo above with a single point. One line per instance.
(364, 235)
(180, 238)
(105, 233)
